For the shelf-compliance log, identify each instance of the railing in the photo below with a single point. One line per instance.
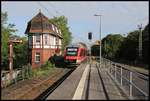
(112, 69)
(17, 75)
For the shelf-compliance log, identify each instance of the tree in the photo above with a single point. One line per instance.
(4, 36)
(113, 42)
(6, 33)
(4, 47)
(95, 50)
(83, 44)
(61, 22)
(19, 50)
(145, 44)
(129, 47)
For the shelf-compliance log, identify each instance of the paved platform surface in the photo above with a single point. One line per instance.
(87, 82)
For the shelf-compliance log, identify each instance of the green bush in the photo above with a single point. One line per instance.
(47, 65)
(43, 70)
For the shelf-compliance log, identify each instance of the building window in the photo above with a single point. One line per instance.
(56, 30)
(38, 39)
(50, 26)
(47, 25)
(30, 40)
(60, 31)
(45, 40)
(53, 27)
(37, 57)
(56, 41)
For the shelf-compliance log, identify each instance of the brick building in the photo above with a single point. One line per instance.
(45, 39)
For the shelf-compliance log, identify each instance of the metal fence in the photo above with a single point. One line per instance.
(17, 75)
(128, 78)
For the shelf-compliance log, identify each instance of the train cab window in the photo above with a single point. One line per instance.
(72, 51)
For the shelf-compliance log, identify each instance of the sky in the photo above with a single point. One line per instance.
(117, 17)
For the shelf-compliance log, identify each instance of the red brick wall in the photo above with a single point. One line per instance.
(45, 54)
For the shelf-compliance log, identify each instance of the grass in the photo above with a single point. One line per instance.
(45, 70)
(139, 69)
(30, 74)
(42, 71)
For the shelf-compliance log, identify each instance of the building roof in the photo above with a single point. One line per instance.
(41, 24)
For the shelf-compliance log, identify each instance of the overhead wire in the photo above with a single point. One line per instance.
(50, 13)
(132, 24)
(57, 12)
(79, 38)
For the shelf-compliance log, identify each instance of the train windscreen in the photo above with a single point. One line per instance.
(72, 51)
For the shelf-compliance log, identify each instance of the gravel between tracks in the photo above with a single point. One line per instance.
(31, 88)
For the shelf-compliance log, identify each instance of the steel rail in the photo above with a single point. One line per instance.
(48, 91)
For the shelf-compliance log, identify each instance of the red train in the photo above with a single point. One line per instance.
(75, 54)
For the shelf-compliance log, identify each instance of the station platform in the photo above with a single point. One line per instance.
(88, 82)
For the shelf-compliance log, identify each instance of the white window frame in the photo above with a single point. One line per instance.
(56, 29)
(38, 41)
(30, 41)
(37, 55)
(59, 31)
(46, 40)
(53, 27)
(57, 41)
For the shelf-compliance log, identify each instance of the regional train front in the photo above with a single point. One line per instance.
(75, 54)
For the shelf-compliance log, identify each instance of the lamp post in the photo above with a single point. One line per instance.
(99, 36)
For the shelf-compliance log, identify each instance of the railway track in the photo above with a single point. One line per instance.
(48, 91)
(30, 89)
(41, 88)
(43, 84)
